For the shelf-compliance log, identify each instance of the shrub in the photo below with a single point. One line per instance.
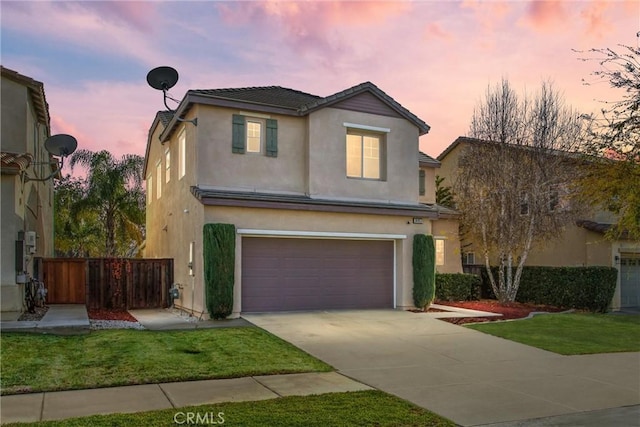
(588, 288)
(457, 287)
(424, 270)
(219, 251)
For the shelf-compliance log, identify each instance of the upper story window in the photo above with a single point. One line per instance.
(254, 135)
(159, 179)
(182, 154)
(364, 155)
(524, 203)
(167, 165)
(422, 187)
(365, 149)
(439, 243)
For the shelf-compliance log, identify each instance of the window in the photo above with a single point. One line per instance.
(439, 251)
(554, 198)
(167, 165)
(421, 182)
(182, 155)
(469, 258)
(149, 189)
(254, 135)
(364, 154)
(524, 203)
(158, 179)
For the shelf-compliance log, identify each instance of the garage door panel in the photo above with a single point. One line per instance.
(311, 274)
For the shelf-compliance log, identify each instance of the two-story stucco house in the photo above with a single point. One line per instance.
(579, 244)
(27, 205)
(326, 194)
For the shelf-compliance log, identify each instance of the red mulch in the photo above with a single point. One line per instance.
(514, 310)
(101, 314)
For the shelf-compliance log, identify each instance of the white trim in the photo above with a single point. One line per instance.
(366, 127)
(319, 234)
(256, 115)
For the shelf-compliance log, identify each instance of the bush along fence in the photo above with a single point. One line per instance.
(585, 288)
(457, 287)
(424, 271)
(107, 283)
(219, 249)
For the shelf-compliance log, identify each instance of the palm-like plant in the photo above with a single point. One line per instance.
(115, 194)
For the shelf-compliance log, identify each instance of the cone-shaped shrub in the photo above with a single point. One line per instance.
(219, 252)
(424, 271)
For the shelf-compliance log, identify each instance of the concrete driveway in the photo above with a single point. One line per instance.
(464, 375)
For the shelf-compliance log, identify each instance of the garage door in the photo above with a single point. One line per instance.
(316, 274)
(630, 282)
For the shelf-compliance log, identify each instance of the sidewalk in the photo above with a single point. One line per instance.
(61, 319)
(140, 398)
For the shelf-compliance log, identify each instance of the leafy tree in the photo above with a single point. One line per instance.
(114, 193)
(515, 177)
(444, 193)
(77, 234)
(613, 178)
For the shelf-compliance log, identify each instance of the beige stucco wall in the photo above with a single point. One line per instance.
(447, 229)
(26, 205)
(327, 158)
(429, 196)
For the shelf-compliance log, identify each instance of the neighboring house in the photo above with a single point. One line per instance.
(325, 194)
(27, 205)
(581, 244)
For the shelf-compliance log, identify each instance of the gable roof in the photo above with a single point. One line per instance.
(36, 90)
(426, 160)
(281, 100)
(459, 140)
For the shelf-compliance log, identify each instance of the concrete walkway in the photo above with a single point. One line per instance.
(467, 376)
(60, 319)
(140, 398)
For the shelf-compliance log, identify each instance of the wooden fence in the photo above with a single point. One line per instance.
(107, 283)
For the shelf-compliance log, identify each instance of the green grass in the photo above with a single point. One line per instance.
(574, 333)
(362, 408)
(32, 362)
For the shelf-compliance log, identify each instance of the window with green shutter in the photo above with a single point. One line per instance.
(421, 182)
(249, 137)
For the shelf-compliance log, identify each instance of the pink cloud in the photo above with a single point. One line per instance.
(546, 15)
(435, 31)
(596, 21)
(134, 14)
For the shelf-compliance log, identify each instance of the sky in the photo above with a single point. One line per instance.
(436, 58)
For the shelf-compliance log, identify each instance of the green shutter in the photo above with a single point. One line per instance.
(421, 183)
(239, 139)
(272, 138)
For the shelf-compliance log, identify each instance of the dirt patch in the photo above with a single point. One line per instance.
(101, 314)
(34, 317)
(514, 310)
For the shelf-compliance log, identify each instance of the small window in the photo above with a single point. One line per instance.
(254, 136)
(167, 165)
(439, 251)
(364, 156)
(469, 258)
(149, 189)
(182, 155)
(524, 203)
(554, 198)
(158, 179)
(421, 182)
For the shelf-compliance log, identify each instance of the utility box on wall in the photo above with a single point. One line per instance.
(30, 241)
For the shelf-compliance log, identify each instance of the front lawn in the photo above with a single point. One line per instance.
(576, 333)
(361, 408)
(32, 362)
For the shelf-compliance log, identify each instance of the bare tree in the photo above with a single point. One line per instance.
(515, 177)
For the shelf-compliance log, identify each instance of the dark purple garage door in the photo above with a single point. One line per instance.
(316, 274)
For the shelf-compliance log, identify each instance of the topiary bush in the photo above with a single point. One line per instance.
(424, 271)
(457, 287)
(585, 288)
(219, 253)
